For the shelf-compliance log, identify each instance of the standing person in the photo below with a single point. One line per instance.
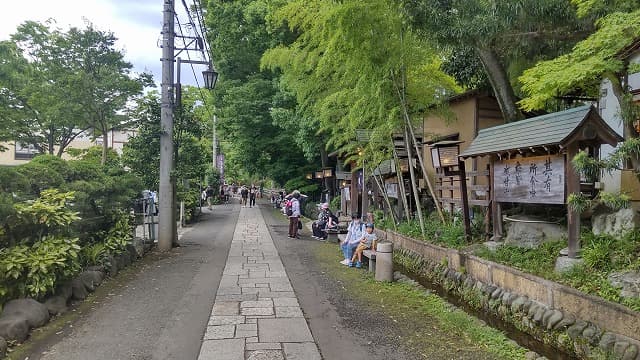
(244, 193)
(351, 241)
(252, 196)
(209, 197)
(294, 214)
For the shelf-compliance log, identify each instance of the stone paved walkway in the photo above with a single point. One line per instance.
(256, 314)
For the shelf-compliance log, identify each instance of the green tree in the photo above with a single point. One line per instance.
(37, 104)
(256, 143)
(596, 58)
(503, 36)
(60, 84)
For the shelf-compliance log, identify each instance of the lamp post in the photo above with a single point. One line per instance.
(167, 232)
(445, 156)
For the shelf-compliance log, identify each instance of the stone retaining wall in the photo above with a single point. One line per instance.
(604, 314)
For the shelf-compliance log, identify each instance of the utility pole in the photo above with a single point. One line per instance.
(215, 144)
(166, 211)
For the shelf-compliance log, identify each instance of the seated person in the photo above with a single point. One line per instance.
(324, 222)
(351, 241)
(366, 242)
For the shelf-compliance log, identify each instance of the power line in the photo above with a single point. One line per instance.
(184, 41)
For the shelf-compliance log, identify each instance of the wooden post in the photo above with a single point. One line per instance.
(465, 201)
(496, 210)
(573, 187)
(354, 192)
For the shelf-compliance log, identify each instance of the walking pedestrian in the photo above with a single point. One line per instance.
(252, 196)
(209, 197)
(294, 214)
(244, 194)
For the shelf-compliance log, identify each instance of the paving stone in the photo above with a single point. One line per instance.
(288, 312)
(226, 320)
(265, 355)
(285, 302)
(250, 290)
(257, 274)
(252, 304)
(264, 285)
(219, 332)
(301, 351)
(276, 294)
(246, 330)
(250, 340)
(283, 330)
(236, 290)
(251, 320)
(263, 346)
(256, 311)
(226, 308)
(231, 349)
(281, 287)
(243, 297)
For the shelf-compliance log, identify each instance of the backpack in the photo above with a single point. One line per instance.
(288, 208)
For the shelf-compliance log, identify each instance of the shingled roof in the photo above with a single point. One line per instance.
(546, 130)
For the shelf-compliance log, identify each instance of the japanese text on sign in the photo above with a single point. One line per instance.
(538, 179)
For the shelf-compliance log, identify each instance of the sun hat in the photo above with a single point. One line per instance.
(324, 206)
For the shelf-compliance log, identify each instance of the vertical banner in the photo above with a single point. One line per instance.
(220, 166)
(538, 179)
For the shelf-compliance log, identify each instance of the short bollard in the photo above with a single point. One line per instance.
(384, 261)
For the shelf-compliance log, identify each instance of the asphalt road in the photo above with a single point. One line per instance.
(160, 308)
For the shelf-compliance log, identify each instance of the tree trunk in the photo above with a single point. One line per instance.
(500, 84)
(105, 146)
(629, 131)
(324, 158)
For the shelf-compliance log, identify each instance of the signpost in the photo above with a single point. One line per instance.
(537, 179)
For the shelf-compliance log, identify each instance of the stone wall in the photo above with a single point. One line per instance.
(604, 314)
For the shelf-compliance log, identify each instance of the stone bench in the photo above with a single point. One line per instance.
(371, 255)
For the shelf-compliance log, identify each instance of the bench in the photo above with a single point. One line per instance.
(371, 255)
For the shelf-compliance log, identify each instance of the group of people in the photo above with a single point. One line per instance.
(326, 221)
(249, 193)
(360, 237)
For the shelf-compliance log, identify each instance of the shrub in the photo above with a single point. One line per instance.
(35, 270)
(120, 234)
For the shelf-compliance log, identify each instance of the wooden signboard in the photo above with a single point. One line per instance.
(538, 179)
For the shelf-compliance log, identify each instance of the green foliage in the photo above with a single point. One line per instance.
(94, 254)
(538, 261)
(119, 235)
(334, 205)
(585, 66)
(34, 270)
(47, 215)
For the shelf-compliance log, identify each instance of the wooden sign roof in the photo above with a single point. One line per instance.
(560, 128)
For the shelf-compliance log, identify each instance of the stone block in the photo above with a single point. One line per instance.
(301, 351)
(218, 332)
(262, 311)
(532, 234)
(263, 346)
(79, 290)
(252, 304)
(34, 312)
(265, 355)
(56, 305)
(14, 328)
(288, 312)
(228, 349)
(618, 223)
(226, 320)
(284, 330)
(225, 308)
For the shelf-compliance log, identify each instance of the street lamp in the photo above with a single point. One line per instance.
(445, 156)
(210, 77)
